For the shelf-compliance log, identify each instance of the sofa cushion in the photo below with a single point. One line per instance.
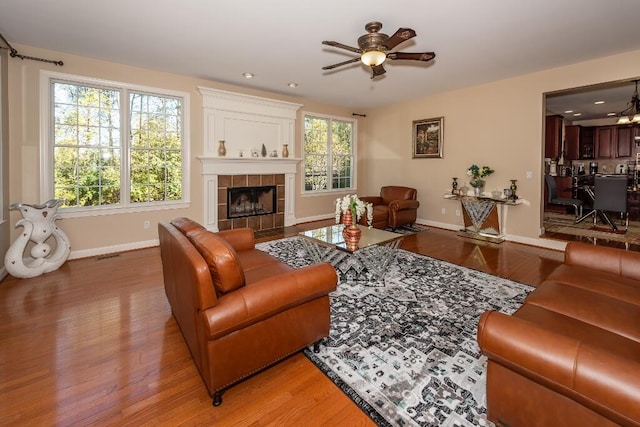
(226, 271)
(186, 225)
(589, 307)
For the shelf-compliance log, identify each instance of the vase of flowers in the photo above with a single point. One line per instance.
(477, 176)
(355, 208)
(349, 210)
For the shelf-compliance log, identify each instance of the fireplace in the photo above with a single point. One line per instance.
(251, 201)
(254, 201)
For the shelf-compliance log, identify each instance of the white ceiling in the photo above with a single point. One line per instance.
(280, 40)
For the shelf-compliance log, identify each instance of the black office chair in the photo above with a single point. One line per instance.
(610, 195)
(555, 200)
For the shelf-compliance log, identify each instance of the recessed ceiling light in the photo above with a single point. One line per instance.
(568, 111)
(599, 102)
(248, 75)
(577, 114)
(292, 84)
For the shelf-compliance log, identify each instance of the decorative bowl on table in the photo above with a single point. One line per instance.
(496, 194)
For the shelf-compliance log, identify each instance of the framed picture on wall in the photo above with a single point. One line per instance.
(428, 138)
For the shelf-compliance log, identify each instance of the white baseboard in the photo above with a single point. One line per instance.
(531, 241)
(313, 218)
(111, 249)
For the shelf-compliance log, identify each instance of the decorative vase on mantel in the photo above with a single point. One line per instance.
(222, 150)
(351, 236)
(285, 150)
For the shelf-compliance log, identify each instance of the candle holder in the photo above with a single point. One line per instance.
(513, 188)
(454, 186)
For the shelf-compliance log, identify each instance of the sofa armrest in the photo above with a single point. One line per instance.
(400, 205)
(240, 239)
(598, 379)
(374, 200)
(251, 304)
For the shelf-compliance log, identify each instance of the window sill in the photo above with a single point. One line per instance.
(89, 212)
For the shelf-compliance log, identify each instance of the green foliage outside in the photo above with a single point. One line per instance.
(88, 150)
(319, 135)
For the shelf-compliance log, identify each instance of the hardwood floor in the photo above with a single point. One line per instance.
(94, 343)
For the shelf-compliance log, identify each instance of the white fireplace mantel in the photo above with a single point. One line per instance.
(246, 123)
(212, 167)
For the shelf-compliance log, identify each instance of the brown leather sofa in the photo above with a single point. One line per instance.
(396, 206)
(240, 310)
(570, 356)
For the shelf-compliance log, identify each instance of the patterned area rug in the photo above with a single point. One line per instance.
(404, 348)
(565, 224)
(408, 229)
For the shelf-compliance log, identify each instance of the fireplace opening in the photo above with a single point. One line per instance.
(251, 201)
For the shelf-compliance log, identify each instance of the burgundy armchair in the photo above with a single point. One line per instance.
(396, 206)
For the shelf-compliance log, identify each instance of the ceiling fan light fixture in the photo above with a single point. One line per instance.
(632, 113)
(373, 58)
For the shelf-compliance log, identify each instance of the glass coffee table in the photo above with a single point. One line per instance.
(376, 248)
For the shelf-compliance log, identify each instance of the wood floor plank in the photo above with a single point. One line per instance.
(94, 343)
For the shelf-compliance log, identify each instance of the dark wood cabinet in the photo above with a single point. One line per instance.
(605, 141)
(624, 141)
(587, 148)
(572, 142)
(552, 136)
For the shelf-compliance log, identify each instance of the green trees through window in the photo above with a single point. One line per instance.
(327, 142)
(99, 161)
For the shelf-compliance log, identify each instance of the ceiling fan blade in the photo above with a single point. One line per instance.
(330, 67)
(342, 46)
(403, 34)
(377, 70)
(418, 56)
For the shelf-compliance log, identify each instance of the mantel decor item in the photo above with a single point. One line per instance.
(222, 150)
(428, 138)
(263, 152)
(285, 150)
(477, 176)
(38, 223)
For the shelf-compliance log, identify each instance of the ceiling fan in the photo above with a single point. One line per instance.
(374, 48)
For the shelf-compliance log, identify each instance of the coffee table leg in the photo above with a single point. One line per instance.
(376, 259)
(320, 253)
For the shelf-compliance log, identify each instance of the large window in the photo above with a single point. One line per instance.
(329, 146)
(112, 145)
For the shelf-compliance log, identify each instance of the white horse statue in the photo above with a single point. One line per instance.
(38, 225)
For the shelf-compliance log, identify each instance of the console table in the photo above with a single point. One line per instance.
(481, 216)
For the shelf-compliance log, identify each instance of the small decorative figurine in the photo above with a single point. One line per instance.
(454, 186)
(513, 189)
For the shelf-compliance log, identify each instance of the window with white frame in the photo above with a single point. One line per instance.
(329, 146)
(113, 145)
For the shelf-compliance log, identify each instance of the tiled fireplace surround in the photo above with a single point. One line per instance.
(260, 222)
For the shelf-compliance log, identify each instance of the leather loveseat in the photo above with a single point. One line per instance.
(570, 356)
(239, 309)
(394, 207)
